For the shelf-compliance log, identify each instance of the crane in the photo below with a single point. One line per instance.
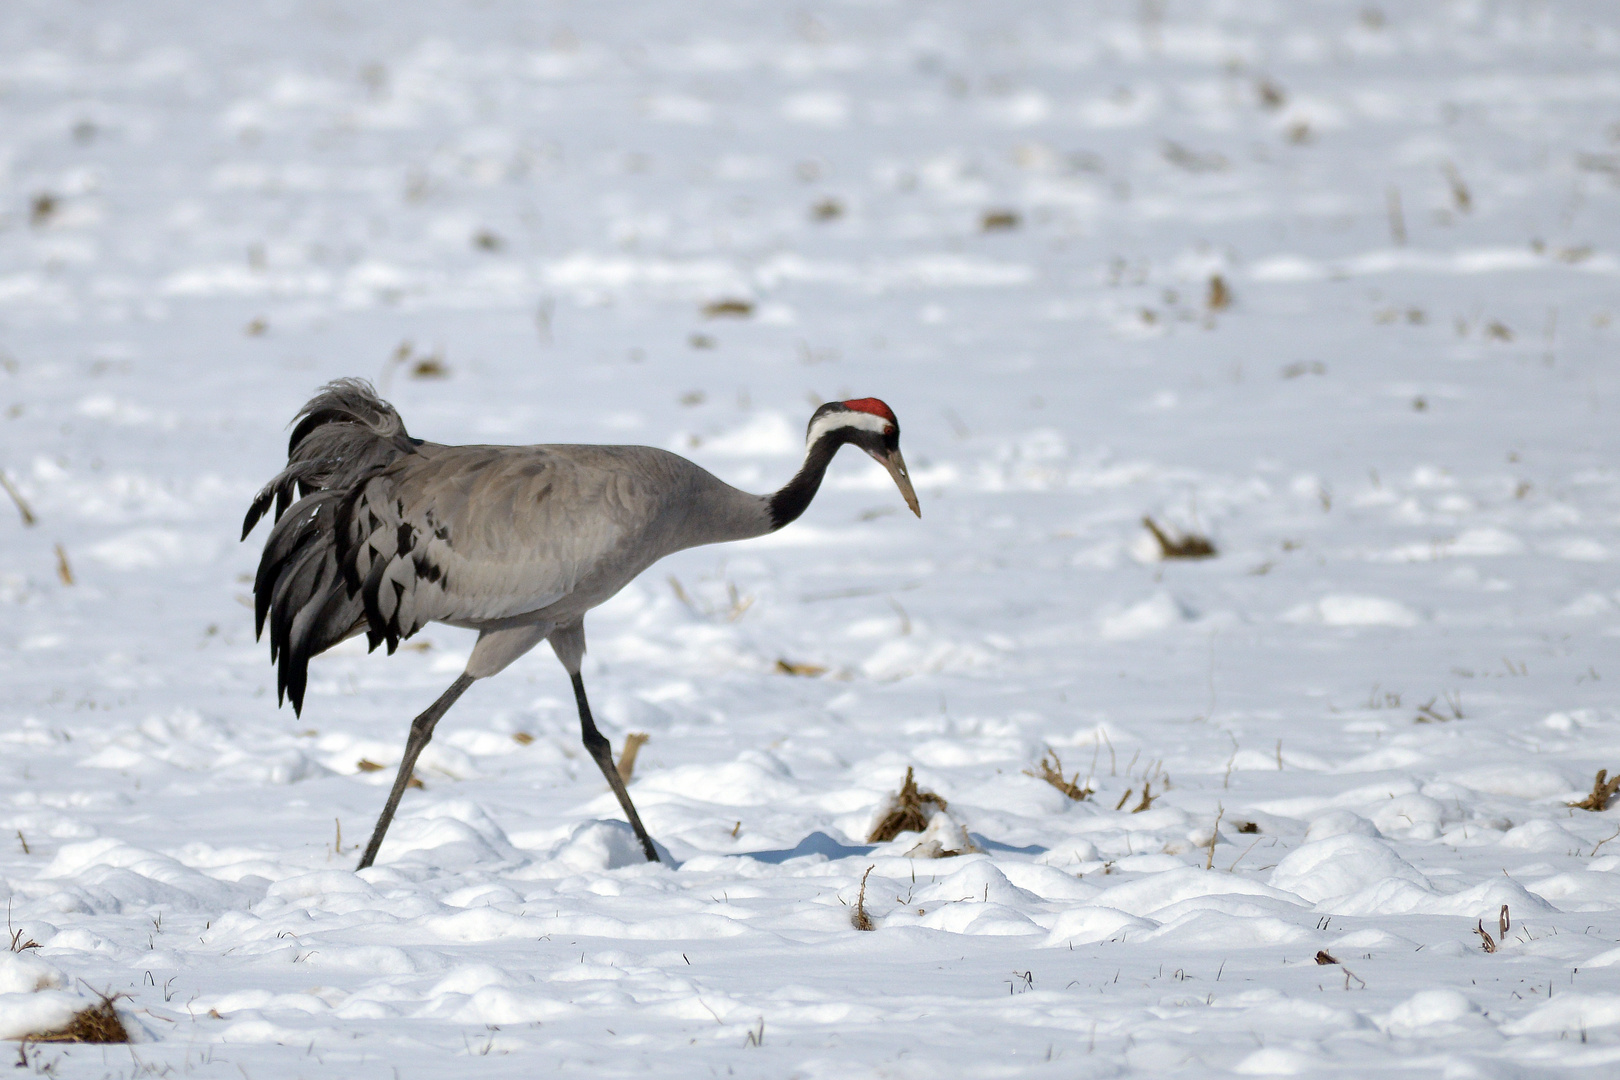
(380, 533)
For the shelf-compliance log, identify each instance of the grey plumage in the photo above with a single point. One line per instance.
(389, 533)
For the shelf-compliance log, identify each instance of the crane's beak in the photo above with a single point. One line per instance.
(897, 469)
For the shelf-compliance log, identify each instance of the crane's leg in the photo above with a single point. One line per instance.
(568, 642)
(421, 732)
(600, 749)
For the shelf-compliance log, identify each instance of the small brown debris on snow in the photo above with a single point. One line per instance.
(828, 209)
(1220, 294)
(42, 209)
(430, 367)
(1325, 957)
(809, 671)
(1182, 545)
(728, 309)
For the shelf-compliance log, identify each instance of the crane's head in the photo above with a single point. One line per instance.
(871, 425)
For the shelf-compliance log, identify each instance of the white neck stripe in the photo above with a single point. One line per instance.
(851, 419)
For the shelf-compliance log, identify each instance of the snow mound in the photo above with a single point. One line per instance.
(1159, 612)
(1347, 610)
(1427, 1008)
(1341, 866)
(44, 1010)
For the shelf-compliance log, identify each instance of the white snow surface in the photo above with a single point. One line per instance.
(1362, 722)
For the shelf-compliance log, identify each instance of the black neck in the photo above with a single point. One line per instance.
(786, 505)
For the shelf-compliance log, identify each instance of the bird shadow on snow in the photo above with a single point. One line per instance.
(819, 843)
(987, 844)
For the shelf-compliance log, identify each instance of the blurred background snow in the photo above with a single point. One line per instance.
(1331, 284)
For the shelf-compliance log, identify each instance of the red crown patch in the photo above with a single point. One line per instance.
(874, 406)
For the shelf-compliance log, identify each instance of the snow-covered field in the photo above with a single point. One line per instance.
(1395, 416)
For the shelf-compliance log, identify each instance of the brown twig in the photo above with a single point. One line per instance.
(1214, 835)
(633, 743)
(16, 497)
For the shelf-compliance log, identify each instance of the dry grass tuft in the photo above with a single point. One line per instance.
(1052, 772)
(809, 671)
(1182, 546)
(1147, 798)
(633, 743)
(907, 812)
(1603, 790)
(859, 917)
(1486, 942)
(99, 1023)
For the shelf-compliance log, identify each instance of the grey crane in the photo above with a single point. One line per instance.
(389, 533)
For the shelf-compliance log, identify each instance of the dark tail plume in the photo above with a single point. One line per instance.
(341, 434)
(342, 437)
